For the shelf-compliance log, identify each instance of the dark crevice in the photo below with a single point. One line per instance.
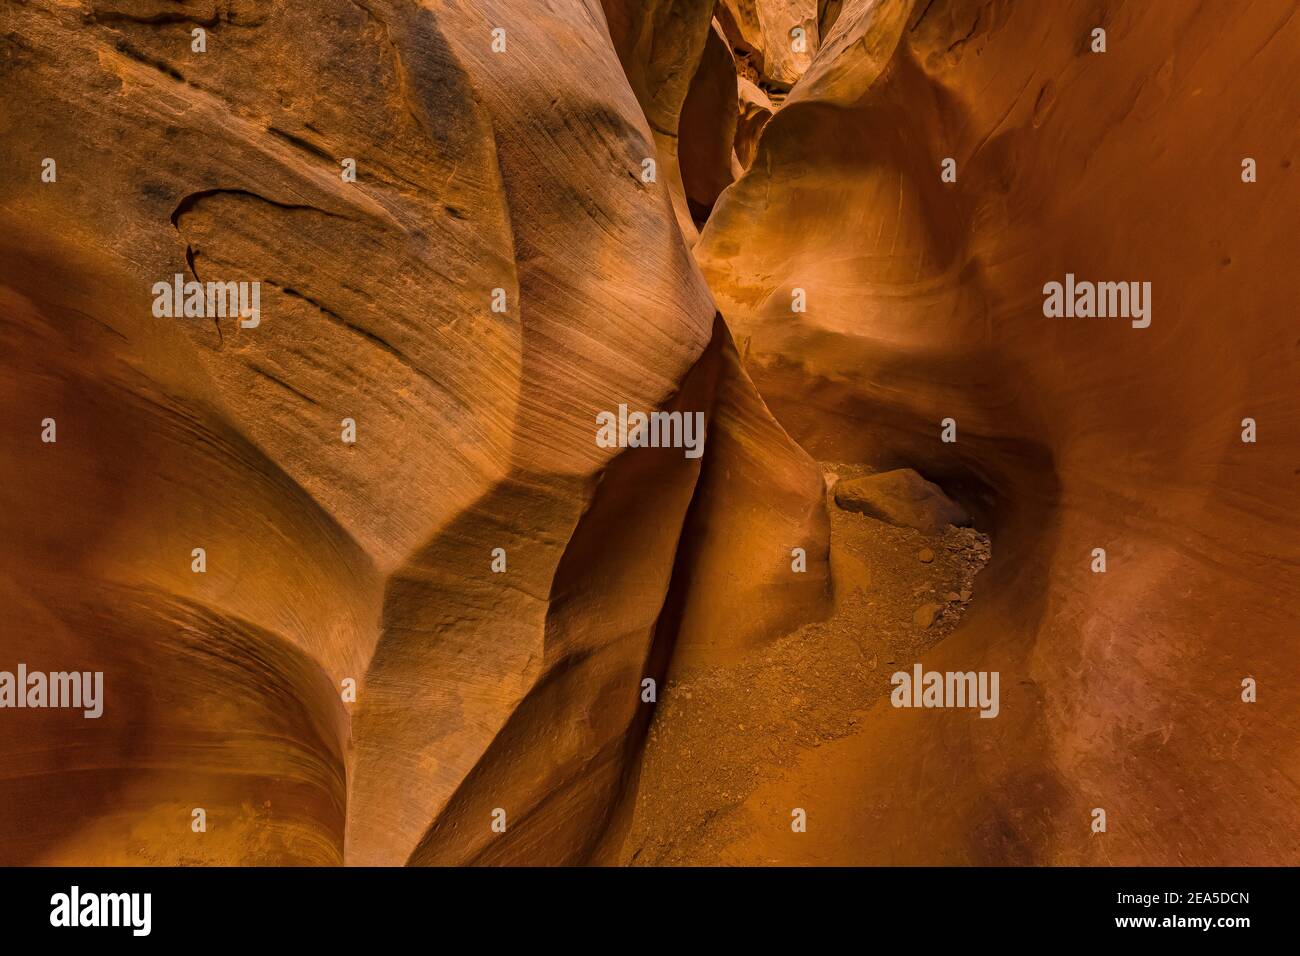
(124, 47)
(294, 293)
(916, 21)
(301, 143)
(283, 384)
(189, 202)
(109, 12)
(659, 653)
(152, 19)
(969, 33)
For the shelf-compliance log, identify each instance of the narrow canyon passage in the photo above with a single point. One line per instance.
(746, 735)
(729, 750)
(896, 201)
(368, 582)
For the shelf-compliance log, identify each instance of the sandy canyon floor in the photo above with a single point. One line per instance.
(733, 749)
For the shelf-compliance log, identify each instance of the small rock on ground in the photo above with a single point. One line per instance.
(925, 615)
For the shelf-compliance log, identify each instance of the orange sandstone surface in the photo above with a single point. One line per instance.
(365, 587)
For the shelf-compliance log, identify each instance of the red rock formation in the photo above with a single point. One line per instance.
(828, 11)
(660, 44)
(755, 110)
(491, 170)
(500, 273)
(707, 128)
(925, 298)
(763, 32)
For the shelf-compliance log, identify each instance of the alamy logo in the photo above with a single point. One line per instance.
(103, 909)
(946, 689)
(76, 689)
(210, 300)
(1102, 300)
(656, 430)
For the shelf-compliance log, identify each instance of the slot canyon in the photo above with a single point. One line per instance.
(364, 584)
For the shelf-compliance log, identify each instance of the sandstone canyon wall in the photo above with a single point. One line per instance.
(477, 171)
(1121, 690)
(428, 598)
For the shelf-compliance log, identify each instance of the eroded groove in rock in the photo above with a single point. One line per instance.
(755, 109)
(775, 39)
(707, 128)
(924, 305)
(660, 44)
(501, 432)
(599, 330)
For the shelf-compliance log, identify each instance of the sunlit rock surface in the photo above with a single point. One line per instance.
(1121, 690)
(776, 38)
(399, 641)
(483, 176)
(755, 109)
(707, 129)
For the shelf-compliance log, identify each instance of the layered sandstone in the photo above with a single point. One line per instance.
(1121, 690)
(776, 38)
(487, 175)
(559, 209)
